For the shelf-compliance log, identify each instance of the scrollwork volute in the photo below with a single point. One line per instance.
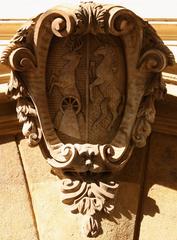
(86, 80)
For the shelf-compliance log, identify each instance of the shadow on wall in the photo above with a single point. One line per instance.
(145, 183)
(148, 186)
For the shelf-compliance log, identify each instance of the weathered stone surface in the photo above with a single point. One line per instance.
(55, 222)
(160, 208)
(16, 218)
(85, 80)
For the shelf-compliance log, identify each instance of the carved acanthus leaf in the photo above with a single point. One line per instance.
(90, 18)
(88, 199)
(15, 87)
(155, 90)
(27, 115)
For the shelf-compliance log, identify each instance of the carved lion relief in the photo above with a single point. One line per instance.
(85, 81)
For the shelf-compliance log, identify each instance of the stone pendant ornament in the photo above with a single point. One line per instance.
(85, 81)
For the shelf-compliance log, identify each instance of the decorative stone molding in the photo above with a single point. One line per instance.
(85, 81)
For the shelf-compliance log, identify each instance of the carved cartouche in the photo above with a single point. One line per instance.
(85, 81)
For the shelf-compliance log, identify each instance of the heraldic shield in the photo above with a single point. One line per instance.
(85, 81)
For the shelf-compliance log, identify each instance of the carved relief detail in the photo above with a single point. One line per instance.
(105, 79)
(88, 199)
(86, 80)
(90, 18)
(89, 157)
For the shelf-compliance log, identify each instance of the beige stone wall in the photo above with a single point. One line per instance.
(30, 206)
(51, 220)
(159, 209)
(16, 215)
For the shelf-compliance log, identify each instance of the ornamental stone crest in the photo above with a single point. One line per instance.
(85, 81)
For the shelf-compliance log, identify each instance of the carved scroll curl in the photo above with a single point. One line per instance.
(121, 21)
(115, 157)
(111, 153)
(90, 157)
(153, 60)
(23, 37)
(64, 24)
(65, 153)
(22, 59)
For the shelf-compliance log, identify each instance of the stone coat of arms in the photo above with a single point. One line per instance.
(85, 81)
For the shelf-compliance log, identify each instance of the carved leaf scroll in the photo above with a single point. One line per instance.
(88, 199)
(86, 80)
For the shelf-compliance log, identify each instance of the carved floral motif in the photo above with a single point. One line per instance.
(90, 18)
(88, 199)
(86, 80)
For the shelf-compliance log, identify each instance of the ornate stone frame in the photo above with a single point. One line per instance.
(80, 166)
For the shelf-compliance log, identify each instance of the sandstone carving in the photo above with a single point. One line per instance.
(86, 81)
